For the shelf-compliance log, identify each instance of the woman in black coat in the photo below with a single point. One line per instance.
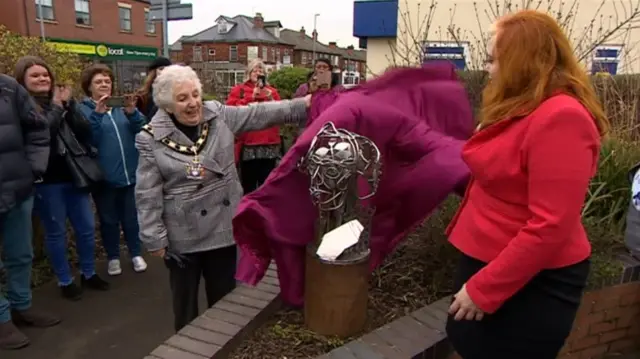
(63, 191)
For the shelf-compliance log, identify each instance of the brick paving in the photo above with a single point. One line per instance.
(127, 322)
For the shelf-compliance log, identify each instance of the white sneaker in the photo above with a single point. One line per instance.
(139, 265)
(114, 267)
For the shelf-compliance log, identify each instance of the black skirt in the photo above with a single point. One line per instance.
(533, 324)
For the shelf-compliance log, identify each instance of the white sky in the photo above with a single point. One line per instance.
(335, 22)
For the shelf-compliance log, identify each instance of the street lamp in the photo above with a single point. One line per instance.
(315, 35)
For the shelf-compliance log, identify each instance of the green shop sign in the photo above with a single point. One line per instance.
(106, 51)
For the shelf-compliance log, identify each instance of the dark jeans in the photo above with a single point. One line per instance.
(253, 173)
(117, 207)
(218, 267)
(17, 256)
(55, 203)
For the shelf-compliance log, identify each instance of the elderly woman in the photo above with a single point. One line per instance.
(256, 151)
(188, 189)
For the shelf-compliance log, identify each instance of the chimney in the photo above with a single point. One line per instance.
(314, 34)
(333, 45)
(258, 21)
(303, 32)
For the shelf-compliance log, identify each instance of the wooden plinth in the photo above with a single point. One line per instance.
(336, 296)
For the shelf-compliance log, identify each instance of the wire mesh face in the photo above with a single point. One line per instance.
(336, 158)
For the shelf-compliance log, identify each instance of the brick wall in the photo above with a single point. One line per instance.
(221, 51)
(608, 321)
(20, 17)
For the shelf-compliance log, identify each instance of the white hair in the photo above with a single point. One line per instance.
(167, 80)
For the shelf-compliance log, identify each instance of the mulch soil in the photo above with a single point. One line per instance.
(418, 273)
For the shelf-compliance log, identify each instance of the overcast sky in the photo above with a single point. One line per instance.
(335, 22)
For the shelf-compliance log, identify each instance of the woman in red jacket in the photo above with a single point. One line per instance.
(525, 253)
(257, 152)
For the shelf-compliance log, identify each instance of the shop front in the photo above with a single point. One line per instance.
(129, 63)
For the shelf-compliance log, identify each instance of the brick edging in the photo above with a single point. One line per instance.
(420, 334)
(220, 329)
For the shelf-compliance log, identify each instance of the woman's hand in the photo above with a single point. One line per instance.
(129, 104)
(463, 307)
(101, 105)
(307, 100)
(61, 94)
(159, 253)
(268, 94)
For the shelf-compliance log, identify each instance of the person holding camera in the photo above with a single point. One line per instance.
(63, 190)
(258, 151)
(115, 121)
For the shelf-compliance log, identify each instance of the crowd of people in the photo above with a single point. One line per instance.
(194, 181)
(62, 154)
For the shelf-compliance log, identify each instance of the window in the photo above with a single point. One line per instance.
(150, 24)
(197, 54)
(265, 53)
(233, 53)
(286, 52)
(223, 27)
(454, 52)
(83, 16)
(46, 6)
(303, 60)
(124, 12)
(278, 55)
(606, 59)
(273, 54)
(212, 52)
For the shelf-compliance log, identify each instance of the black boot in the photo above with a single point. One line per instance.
(95, 283)
(71, 292)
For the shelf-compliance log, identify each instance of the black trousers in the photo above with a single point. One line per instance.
(253, 173)
(218, 267)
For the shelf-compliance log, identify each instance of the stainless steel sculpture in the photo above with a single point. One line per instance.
(337, 162)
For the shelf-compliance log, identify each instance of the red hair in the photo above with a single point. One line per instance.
(535, 60)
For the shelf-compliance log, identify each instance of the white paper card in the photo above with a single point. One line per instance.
(339, 239)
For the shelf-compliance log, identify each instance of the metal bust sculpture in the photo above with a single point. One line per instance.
(344, 170)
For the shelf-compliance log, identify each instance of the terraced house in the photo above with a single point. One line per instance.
(116, 32)
(221, 52)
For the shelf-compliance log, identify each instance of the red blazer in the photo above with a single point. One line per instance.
(242, 95)
(522, 209)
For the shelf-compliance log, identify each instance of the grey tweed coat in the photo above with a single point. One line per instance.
(194, 215)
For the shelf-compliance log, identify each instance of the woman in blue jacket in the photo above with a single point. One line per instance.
(113, 133)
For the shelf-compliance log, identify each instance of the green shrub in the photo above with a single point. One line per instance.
(288, 79)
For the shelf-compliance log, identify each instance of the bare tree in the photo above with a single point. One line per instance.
(416, 27)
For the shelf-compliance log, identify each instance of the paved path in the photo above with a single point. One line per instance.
(127, 322)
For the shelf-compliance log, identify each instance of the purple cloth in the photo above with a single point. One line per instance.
(419, 118)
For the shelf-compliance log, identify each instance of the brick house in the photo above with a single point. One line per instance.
(117, 33)
(304, 48)
(221, 53)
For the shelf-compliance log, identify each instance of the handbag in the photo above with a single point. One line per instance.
(81, 159)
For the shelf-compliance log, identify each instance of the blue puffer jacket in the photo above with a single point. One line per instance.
(113, 134)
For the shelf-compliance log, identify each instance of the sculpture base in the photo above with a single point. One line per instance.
(336, 295)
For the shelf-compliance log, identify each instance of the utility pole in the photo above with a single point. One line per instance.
(315, 36)
(165, 29)
(42, 34)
